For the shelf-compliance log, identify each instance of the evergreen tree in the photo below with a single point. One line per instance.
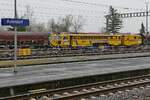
(114, 22)
(142, 30)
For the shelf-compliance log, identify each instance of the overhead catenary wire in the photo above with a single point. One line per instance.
(87, 12)
(102, 5)
(66, 10)
(43, 15)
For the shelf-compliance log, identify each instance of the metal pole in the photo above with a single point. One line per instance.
(146, 17)
(15, 52)
(107, 20)
(15, 9)
(15, 38)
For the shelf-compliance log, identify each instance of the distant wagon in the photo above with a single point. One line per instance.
(24, 39)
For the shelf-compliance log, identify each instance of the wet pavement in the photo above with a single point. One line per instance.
(40, 73)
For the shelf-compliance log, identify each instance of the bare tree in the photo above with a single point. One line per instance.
(78, 23)
(52, 26)
(39, 27)
(62, 25)
(29, 15)
(67, 22)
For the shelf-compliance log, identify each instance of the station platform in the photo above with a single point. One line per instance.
(50, 72)
(10, 63)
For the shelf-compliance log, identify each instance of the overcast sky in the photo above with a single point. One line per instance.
(93, 11)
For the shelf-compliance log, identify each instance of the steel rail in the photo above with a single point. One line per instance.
(102, 91)
(74, 54)
(60, 91)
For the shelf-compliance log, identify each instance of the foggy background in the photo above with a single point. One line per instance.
(93, 11)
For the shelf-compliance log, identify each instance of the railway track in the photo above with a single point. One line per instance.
(49, 54)
(88, 91)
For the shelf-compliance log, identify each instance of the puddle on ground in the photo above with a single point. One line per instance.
(6, 74)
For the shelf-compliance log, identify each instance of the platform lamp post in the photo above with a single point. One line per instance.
(15, 38)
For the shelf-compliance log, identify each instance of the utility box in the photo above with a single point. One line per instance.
(24, 52)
